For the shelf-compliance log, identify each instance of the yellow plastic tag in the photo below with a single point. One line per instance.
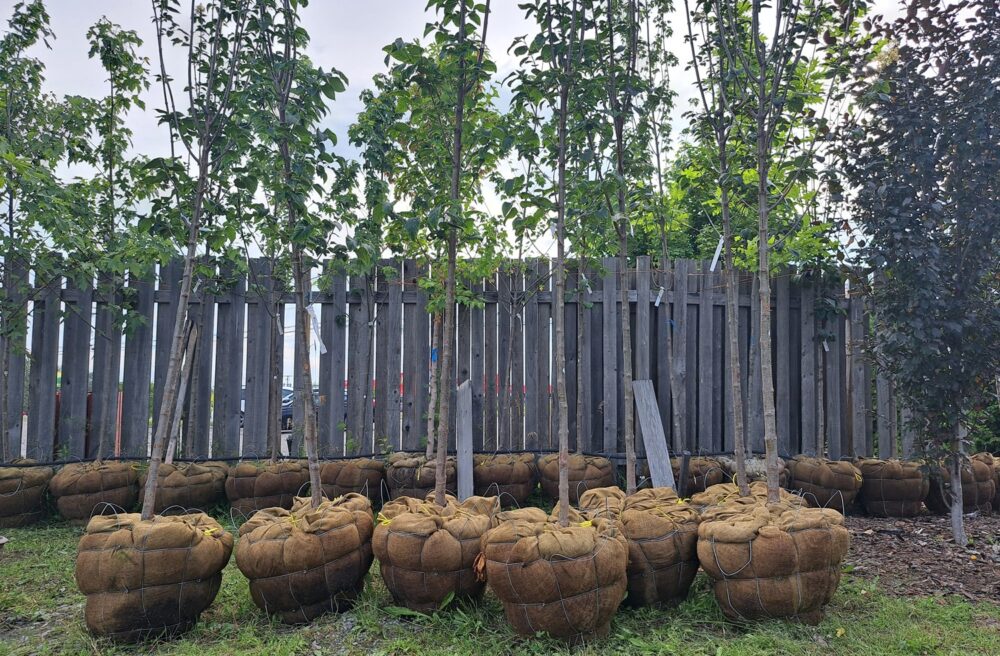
(383, 520)
(586, 523)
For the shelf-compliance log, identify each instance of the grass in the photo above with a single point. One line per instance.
(41, 612)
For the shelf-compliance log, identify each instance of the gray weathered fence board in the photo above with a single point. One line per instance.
(641, 332)
(782, 366)
(359, 368)
(389, 354)
(42, 377)
(544, 359)
(77, 322)
(416, 344)
(227, 413)
(811, 442)
(333, 326)
(705, 432)
(477, 371)
(664, 359)
(14, 347)
(107, 360)
(609, 357)
(532, 369)
(491, 384)
(463, 439)
(657, 452)
(166, 312)
(138, 370)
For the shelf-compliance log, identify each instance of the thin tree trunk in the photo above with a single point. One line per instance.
(955, 469)
(274, 391)
(433, 386)
(447, 375)
(175, 431)
(732, 332)
(172, 378)
(303, 373)
(626, 321)
(763, 275)
(581, 326)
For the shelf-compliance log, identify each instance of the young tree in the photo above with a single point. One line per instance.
(213, 36)
(925, 171)
(290, 93)
(763, 61)
(32, 144)
(114, 191)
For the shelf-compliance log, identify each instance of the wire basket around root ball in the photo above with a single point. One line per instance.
(512, 477)
(149, 578)
(253, 486)
(825, 483)
(892, 488)
(307, 561)
(585, 473)
(355, 476)
(565, 581)
(662, 534)
(81, 489)
(772, 561)
(22, 494)
(185, 486)
(426, 552)
(978, 488)
(413, 475)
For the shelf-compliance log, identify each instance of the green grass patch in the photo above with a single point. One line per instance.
(41, 612)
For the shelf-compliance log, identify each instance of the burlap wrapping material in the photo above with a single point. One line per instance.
(188, 486)
(756, 468)
(978, 488)
(703, 472)
(565, 581)
(825, 483)
(307, 561)
(252, 486)
(606, 502)
(81, 489)
(145, 579)
(426, 552)
(412, 475)
(22, 493)
(772, 561)
(729, 493)
(994, 464)
(585, 473)
(892, 488)
(358, 476)
(512, 477)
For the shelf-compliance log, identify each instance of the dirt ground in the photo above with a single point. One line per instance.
(918, 557)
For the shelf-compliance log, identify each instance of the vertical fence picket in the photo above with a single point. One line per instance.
(13, 346)
(227, 414)
(45, 319)
(704, 362)
(77, 323)
(333, 326)
(138, 369)
(610, 350)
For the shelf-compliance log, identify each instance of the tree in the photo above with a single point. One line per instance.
(763, 62)
(114, 192)
(290, 93)
(213, 37)
(926, 175)
(32, 143)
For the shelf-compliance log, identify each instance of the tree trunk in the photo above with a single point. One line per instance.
(433, 385)
(763, 271)
(732, 331)
(175, 430)
(626, 322)
(274, 391)
(559, 304)
(172, 379)
(447, 375)
(303, 374)
(955, 469)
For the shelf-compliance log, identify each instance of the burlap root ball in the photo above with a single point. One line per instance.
(776, 561)
(426, 552)
(253, 486)
(729, 494)
(356, 476)
(565, 581)
(892, 488)
(153, 578)
(606, 502)
(512, 477)
(585, 473)
(412, 475)
(825, 483)
(82, 489)
(703, 472)
(307, 561)
(993, 463)
(662, 535)
(756, 467)
(978, 488)
(22, 493)
(188, 486)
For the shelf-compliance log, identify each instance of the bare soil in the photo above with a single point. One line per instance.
(917, 556)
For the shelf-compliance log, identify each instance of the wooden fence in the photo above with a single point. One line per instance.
(373, 371)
